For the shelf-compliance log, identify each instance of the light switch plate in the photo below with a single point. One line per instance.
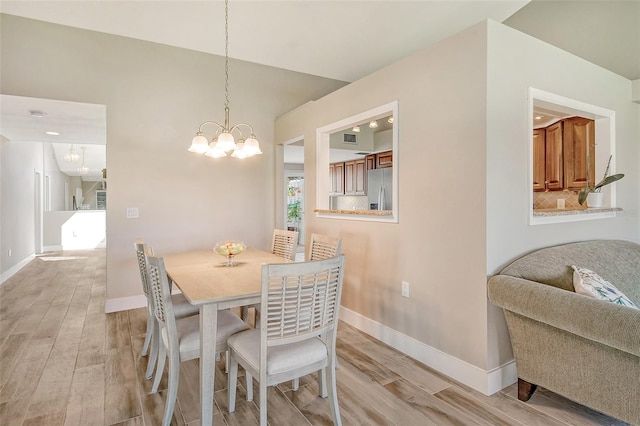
(405, 289)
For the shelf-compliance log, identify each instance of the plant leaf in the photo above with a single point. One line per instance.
(608, 180)
(582, 195)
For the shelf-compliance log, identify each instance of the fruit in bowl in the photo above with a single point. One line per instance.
(229, 249)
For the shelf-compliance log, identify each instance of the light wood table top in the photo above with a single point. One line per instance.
(203, 277)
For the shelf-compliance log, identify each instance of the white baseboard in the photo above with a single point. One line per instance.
(131, 302)
(14, 269)
(487, 382)
(125, 303)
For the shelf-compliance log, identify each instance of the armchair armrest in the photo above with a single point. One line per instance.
(596, 320)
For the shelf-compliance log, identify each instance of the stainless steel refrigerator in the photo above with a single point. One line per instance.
(380, 188)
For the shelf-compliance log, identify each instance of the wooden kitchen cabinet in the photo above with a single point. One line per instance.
(384, 159)
(560, 155)
(579, 136)
(539, 175)
(355, 177)
(336, 173)
(554, 164)
(370, 161)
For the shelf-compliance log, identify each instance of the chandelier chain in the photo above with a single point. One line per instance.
(226, 53)
(223, 142)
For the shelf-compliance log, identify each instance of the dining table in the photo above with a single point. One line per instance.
(205, 280)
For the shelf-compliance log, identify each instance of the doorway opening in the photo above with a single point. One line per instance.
(294, 191)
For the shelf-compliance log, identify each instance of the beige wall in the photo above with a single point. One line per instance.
(438, 246)
(156, 96)
(463, 155)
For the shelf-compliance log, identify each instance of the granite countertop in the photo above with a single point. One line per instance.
(358, 212)
(566, 212)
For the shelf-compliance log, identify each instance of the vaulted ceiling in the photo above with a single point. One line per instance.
(346, 40)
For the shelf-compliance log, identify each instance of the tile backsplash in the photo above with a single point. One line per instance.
(350, 202)
(549, 200)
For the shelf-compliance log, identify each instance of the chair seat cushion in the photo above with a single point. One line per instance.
(182, 307)
(189, 333)
(280, 358)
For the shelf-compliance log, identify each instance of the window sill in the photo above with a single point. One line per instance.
(545, 216)
(363, 215)
(361, 212)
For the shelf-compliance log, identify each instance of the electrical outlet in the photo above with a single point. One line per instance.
(132, 212)
(405, 289)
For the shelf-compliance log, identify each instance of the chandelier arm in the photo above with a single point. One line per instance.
(237, 127)
(220, 126)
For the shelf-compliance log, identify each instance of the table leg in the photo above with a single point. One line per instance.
(208, 330)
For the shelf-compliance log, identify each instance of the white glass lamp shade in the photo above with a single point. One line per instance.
(83, 170)
(214, 150)
(240, 151)
(251, 146)
(226, 142)
(199, 144)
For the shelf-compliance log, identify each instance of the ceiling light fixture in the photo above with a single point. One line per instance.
(36, 114)
(356, 128)
(71, 156)
(52, 133)
(83, 170)
(390, 120)
(223, 143)
(373, 124)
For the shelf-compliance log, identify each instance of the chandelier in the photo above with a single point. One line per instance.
(83, 170)
(71, 156)
(223, 142)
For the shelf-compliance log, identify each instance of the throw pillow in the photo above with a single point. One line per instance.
(588, 283)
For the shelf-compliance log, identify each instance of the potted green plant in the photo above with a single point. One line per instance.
(592, 193)
(294, 214)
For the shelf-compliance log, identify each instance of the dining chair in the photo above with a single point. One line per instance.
(300, 303)
(180, 337)
(323, 247)
(181, 308)
(285, 243)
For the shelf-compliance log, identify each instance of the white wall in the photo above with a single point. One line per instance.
(156, 96)
(19, 163)
(55, 179)
(463, 191)
(516, 62)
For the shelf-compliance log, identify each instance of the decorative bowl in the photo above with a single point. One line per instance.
(229, 250)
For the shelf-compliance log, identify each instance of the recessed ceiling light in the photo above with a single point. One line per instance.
(53, 133)
(37, 114)
(373, 124)
(356, 128)
(390, 120)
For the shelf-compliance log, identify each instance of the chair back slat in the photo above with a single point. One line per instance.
(300, 299)
(142, 266)
(324, 247)
(285, 243)
(159, 285)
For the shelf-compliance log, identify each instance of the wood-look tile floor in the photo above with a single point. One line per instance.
(63, 361)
